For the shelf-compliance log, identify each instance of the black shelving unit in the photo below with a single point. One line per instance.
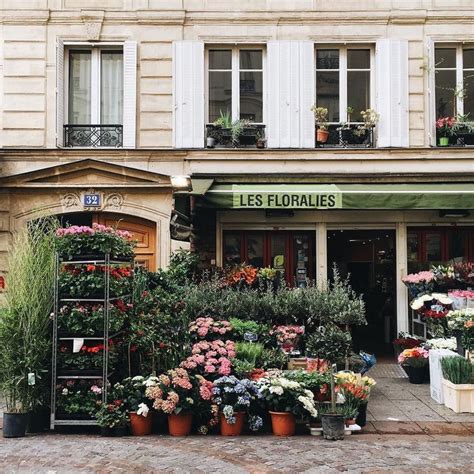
(57, 374)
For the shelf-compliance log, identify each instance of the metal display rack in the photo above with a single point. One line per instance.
(56, 374)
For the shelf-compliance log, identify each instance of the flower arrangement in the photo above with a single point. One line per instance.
(422, 282)
(416, 357)
(443, 273)
(134, 394)
(211, 357)
(96, 240)
(284, 395)
(112, 415)
(355, 389)
(88, 319)
(78, 398)
(462, 298)
(406, 341)
(435, 305)
(242, 275)
(89, 357)
(441, 343)
(232, 395)
(318, 382)
(177, 391)
(445, 126)
(207, 328)
(287, 336)
(87, 280)
(464, 272)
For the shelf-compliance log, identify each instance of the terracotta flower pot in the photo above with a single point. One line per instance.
(180, 425)
(322, 135)
(141, 425)
(235, 429)
(283, 423)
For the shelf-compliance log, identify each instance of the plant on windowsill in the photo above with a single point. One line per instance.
(232, 133)
(320, 117)
(463, 130)
(445, 126)
(370, 118)
(261, 141)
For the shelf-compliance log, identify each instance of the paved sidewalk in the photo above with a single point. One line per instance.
(247, 454)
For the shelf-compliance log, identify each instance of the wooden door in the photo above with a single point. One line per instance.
(144, 232)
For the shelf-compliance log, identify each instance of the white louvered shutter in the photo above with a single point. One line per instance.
(290, 94)
(392, 92)
(129, 93)
(59, 92)
(188, 94)
(430, 49)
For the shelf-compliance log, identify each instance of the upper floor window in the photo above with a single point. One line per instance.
(235, 83)
(454, 81)
(344, 83)
(95, 91)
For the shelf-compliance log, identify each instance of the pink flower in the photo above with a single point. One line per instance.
(210, 369)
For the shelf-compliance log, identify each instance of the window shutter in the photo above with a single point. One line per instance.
(188, 94)
(430, 49)
(392, 92)
(59, 93)
(129, 93)
(290, 92)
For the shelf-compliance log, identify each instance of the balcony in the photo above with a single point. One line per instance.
(348, 135)
(93, 136)
(248, 136)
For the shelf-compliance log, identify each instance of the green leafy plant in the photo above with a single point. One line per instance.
(329, 343)
(25, 317)
(457, 370)
(248, 351)
(274, 359)
(112, 415)
(320, 116)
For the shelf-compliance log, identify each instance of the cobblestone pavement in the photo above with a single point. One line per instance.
(247, 454)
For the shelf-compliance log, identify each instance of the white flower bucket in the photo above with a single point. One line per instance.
(459, 302)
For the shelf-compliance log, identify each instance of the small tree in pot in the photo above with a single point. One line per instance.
(320, 116)
(332, 344)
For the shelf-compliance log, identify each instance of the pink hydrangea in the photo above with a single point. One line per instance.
(205, 326)
(420, 277)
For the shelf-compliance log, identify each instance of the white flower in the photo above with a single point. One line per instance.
(441, 343)
(276, 390)
(151, 381)
(143, 410)
(445, 300)
(138, 378)
(417, 304)
(289, 383)
(308, 405)
(65, 391)
(309, 394)
(190, 400)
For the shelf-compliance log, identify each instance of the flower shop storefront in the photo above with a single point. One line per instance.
(375, 233)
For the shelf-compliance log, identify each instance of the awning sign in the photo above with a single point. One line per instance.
(286, 200)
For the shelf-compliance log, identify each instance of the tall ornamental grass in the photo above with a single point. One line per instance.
(24, 317)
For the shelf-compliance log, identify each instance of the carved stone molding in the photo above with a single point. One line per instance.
(114, 201)
(71, 200)
(93, 23)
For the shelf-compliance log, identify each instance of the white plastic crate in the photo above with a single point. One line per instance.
(436, 374)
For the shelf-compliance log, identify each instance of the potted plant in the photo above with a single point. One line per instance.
(234, 398)
(286, 399)
(287, 337)
(25, 326)
(370, 118)
(416, 360)
(261, 141)
(138, 404)
(320, 116)
(458, 384)
(463, 129)
(445, 129)
(332, 420)
(177, 394)
(355, 389)
(112, 418)
(230, 131)
(329, 343)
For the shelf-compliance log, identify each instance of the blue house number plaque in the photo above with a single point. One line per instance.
(91, 200)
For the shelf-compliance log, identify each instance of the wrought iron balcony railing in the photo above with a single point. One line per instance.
(93, 136)
(348, 135)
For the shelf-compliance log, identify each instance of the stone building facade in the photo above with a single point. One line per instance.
(107, 100)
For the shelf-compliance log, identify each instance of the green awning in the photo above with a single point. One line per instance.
(341, 196)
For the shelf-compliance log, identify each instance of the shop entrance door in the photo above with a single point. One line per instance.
(368, 256)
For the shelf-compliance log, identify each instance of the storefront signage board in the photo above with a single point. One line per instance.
(287, 200)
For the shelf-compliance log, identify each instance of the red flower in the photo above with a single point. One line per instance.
(91, 268)
(163, 345)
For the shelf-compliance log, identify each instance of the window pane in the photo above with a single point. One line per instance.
(220, 59)
(79, 87)
(255, 249)
(445, 87)
(445, 57)
(220, 94)
(327, 93)
(358, 92)
(251, 96)
(327, 59)
(250, 59)
(433, 247)
(456, 245)
(111, 87)
(358, 59)
(232, 248)
(469, 94)
(412, 247)
(278, 242)
(468, 58)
